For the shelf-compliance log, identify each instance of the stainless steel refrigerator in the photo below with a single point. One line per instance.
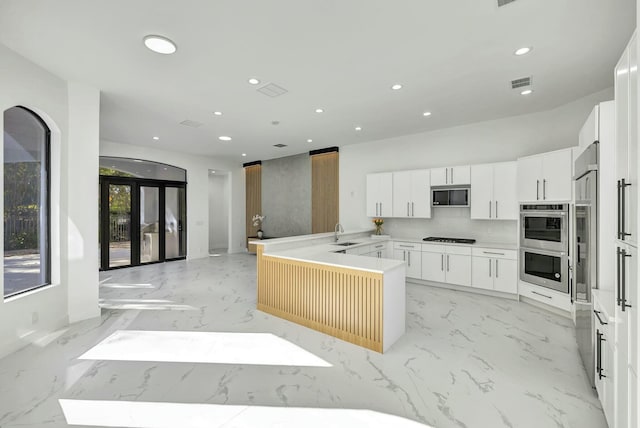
(585, 252)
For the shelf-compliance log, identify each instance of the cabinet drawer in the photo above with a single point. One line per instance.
(495, 253)
(544, 295)
(460, 250)
(399, 245)
(434, 248)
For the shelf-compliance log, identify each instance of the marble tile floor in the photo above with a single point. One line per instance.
(466, 360)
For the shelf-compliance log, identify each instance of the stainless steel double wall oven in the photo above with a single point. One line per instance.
(544, 245)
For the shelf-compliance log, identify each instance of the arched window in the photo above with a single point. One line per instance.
(26, 201)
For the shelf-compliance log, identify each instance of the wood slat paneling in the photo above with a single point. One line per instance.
(253, 194)
(324, 192)
(344, 303)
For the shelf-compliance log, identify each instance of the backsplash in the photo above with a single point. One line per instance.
(453, 223)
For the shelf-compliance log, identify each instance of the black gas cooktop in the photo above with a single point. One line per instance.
(449, 240)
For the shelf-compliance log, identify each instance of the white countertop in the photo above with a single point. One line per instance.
(480, 244)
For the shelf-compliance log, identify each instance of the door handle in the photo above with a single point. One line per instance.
(623, 301)
(451, 175)
(497, 209)
(599, 319)
(446, 175)
(623, 185)
(404, 255)
(537, 190)
(544, 189)
(489, 268)
(442, 262)
(619, 209)
(618, 276)
(447, 262)
(407, 209)
(489, 209)
(497, 274)
(599, 353)
(413, 213)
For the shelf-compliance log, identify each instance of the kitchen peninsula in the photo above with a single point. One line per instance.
(312, 281)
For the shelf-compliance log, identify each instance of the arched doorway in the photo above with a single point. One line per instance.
(143, 212)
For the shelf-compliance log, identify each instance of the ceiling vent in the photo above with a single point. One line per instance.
(521, 83)
(191, 123)
(279, 145)
(504, 2)
(272, 90)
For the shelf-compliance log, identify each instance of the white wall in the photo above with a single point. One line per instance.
(218, 210)
(197, 192)
(491, 141)
(74, 228)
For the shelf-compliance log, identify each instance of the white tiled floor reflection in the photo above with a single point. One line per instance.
(466, 360)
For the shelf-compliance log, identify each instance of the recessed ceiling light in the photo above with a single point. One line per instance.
(426, 114)
(160, 44)
(523, 51)
(217, 113)
(224, 138)
(213, 172)
(396, 87)
(358, 128)
(319, 110)
(309, 140)
(254, 81)
(526, 92)
(156, 138)
(244, 154)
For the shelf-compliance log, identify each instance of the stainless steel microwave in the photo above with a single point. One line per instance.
(545, 227)
(450, 197)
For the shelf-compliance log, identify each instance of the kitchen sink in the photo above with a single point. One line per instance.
(346, 244)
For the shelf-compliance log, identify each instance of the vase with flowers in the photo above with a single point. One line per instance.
(378, 223)
(257, 222)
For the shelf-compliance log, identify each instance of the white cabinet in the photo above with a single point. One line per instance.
(546, 177)
(494, 193)
(604, 364)
(411, 194)
(495, 269)
(453, 175)
(380, 194)
(379, 250)
(445, 263)
(409, 252)
(626, 106)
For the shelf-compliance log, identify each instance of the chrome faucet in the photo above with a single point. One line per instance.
(338, 229)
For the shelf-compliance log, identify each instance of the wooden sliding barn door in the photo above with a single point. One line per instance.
(324, 191)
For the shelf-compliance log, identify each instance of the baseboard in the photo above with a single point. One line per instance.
(464, 289)
(548, 308)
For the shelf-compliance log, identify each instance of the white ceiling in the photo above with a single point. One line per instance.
(454, 58)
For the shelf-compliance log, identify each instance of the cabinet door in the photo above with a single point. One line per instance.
(621, 85)
(414, 264)
(557, 176)
(632, 191)
(505, 275)
(440, 176)
(458, 269)
(460, 175)
(433, 267)
(505, 191)
(421, 194)
(402, 194)
(529, 179)
(608, 386)
(373, 183)
(380, 248)
(386, 194)
(482, 273)
(634, 418)
(482, 206)
(622, 334)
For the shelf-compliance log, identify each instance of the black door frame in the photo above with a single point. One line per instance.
(136, 183)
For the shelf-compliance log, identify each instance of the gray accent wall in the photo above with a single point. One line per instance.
(286, 196)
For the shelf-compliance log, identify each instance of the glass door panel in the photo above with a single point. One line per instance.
(175, 220)
(119, 225)
(149, 224)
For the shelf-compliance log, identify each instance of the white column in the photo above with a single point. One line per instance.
(82, 153)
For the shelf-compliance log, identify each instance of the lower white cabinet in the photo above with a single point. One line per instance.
(493, 269)
(604, 366)
(376, 250)
(409, 252)
(448, 264)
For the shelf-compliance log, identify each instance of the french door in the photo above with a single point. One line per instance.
(142, 221)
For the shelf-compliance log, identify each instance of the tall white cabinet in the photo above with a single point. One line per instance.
(412, 194)
(494, 193)
(626, 290)
(380, 194)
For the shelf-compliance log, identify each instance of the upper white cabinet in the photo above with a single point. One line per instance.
(545, 177)
(453, 175)
(494, 193)
(626, 106)
(380, 194)
(411, 194)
